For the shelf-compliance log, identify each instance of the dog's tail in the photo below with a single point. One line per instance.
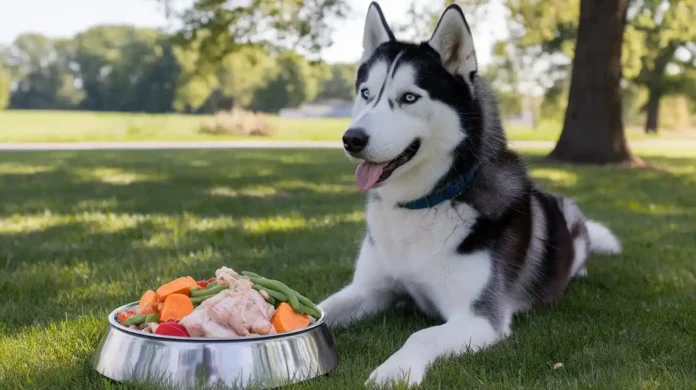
(602, 240)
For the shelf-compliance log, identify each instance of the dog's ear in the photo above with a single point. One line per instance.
(376, 31)
(452, 39)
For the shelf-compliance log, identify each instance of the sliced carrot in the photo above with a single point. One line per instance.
(286, 320)
(175, 307)
(177, 286)
(148, 302)
(123, 316)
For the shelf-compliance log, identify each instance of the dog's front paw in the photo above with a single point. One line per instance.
(397, 370)
(336, 313)
(343, 308)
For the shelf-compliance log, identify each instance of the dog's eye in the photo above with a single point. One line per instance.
(365, 93)
(410, 98)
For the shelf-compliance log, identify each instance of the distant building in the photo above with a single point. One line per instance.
(329, 108)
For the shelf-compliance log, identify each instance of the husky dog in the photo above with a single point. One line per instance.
(453, 220)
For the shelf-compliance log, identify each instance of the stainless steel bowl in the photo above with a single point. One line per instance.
(259, 361)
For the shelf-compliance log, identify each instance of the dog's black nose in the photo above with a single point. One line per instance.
(355, 140)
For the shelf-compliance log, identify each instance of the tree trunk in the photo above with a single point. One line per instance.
(593, 129)
(653, 110)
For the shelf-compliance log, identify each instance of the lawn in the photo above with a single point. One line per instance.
(77, 126)
(84, 232)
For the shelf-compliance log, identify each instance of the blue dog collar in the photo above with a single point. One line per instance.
(448, 193)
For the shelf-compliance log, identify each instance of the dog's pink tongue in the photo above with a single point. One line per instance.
(367, 174)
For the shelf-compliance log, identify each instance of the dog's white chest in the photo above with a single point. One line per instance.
(419, 250)
(414, 237)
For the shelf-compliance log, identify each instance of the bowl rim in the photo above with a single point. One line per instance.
(113, 322)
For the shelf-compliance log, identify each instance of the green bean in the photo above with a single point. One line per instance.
(276, 295)
(278, 286)
(154, 317)
(208, 291)
(199, 299)
(251, 274)
(301, 298)
(284, 297)
(272, 293)
(135, 320)
(305, 301)
(308, 311)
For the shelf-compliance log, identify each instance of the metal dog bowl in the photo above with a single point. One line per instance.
(259, 361)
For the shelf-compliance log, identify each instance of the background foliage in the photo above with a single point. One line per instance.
(264, 55)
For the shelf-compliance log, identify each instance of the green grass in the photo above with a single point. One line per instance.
(79, 126)
(83, 126)
(84, 232)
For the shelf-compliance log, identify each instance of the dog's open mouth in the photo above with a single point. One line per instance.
(370, 174)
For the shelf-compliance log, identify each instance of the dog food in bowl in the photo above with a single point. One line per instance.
(228, 305)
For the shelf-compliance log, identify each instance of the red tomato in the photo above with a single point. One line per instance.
(202, 283)
(172, 329)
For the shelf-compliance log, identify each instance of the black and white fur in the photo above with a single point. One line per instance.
(499, 248)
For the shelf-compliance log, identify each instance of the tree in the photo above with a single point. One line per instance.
(656, 33)
(193, 86)
(593, 129)
(125, 68)
(339, 83)
(293, 83)
(420, 21)
(213, 30)
(665, 26)
(503, 77)
(43, 71)
(4, 86)
(220, 27)
(242, 73)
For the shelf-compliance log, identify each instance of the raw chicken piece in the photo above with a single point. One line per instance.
(213, 329)
(194, 322)
(237, 311)
(226, 276)
(244, 313)
(237, 283)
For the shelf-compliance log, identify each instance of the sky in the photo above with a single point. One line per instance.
(64, 18)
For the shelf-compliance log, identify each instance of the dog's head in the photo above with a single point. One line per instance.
(416, 106)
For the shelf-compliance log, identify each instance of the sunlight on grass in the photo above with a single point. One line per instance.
(672, 278)
(651, 208)
(86, 222)
(321, 188)
(23, 223)
(96, 204)
(291, 222)
(557, 176)
(115, 176)
(280, 223)
(255, 192)
(24, 169)
(199, 163)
